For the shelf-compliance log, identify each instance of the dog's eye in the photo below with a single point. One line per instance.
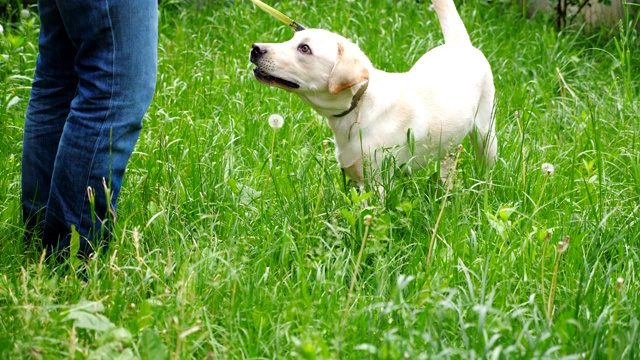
(304, 48)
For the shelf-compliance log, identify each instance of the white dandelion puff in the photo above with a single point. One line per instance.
(563, 245)
(548, 169)
(276, 121)
(24, 13)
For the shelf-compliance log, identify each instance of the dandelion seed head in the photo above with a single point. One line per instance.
(548, 169)
(619, 283)
(276, 121)
(563, 245)
(367, 220)
(24, 13)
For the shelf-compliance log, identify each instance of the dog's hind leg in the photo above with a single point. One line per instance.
(483, 134)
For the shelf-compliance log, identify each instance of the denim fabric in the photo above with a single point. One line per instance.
(94, 80)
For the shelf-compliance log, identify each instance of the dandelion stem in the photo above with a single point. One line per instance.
(562, 246)
(548, 170)
(544, 253)
(544, 185)
(273, 145)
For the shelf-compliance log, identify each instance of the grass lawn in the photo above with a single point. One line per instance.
(237, 241)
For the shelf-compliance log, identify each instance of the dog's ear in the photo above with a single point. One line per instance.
(348, 71)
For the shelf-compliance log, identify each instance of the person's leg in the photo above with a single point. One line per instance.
(116, 42)
(53, 88)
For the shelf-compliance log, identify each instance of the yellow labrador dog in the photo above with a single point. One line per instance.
(418, 116)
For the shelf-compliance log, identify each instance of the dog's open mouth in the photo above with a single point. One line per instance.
(265, 78)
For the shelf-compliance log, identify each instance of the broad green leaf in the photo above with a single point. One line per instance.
(75, 242)
(88, 306)
(347, 215)
(85, 320)
(151, 346)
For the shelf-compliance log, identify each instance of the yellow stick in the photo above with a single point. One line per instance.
(278, 15)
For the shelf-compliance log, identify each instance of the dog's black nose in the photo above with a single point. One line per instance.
(258, 49)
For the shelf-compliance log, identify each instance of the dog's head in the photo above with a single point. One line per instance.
(314, 61)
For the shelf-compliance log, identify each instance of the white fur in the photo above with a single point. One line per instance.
(447, 95)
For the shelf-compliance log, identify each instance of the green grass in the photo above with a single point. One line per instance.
(218, 254)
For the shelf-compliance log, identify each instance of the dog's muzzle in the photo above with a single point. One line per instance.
(257, 52)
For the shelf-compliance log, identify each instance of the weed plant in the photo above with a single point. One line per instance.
(234, 240)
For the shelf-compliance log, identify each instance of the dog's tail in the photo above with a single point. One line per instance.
(450, 22)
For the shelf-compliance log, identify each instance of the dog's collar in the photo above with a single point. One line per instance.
(355, 100)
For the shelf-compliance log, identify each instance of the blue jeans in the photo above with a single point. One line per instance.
(94, 80)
